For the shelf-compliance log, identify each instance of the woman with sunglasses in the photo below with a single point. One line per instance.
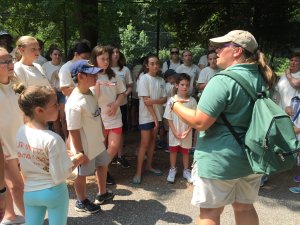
(221, 172)
(173, 62)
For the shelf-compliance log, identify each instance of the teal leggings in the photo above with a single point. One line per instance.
(54, 199)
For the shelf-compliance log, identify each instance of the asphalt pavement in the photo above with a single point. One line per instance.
(156, 202)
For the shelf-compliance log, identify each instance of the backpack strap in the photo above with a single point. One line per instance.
(245, 85)
(232, 131)
(168, 63)
(241, 81)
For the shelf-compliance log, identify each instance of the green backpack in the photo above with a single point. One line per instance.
(270, 142)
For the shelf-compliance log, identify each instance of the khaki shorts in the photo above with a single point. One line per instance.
(103, 159)
(215, 193)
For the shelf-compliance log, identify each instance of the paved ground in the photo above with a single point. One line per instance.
(157, 202)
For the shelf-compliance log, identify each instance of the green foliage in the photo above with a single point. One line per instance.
(134, 44)
(280, 65)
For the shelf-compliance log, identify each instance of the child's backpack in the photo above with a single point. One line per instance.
(270, 142)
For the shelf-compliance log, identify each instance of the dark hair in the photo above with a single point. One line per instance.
(173, 48)
(32, 97)
(111, 50)
(182, 76)
(295, 55)
(211, 52)
(80, 47)
(100, 50)
(151, 56)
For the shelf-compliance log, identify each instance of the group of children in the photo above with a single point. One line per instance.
(95, 92)
(96, 84)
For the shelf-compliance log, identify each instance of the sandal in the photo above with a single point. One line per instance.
(155, 172)
(136, 180)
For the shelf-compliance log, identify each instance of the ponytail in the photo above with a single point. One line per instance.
(265, 70)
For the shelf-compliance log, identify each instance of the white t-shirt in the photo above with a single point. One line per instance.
(49, 68)
(169, 90)
(173, 66)
(193, 71)
(206, 74)
(43, 157)
(153, 87)
(125, 76)
(65, 78)
(109, 94)
(286, 91)
(179, 125)
(203, 60)
(31, 75)
(82, 113)
(41, 60)
(11, 119)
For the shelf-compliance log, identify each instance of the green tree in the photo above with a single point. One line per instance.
(134, 44)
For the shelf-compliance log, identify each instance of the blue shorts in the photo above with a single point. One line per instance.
(147, 126)
(61, 99)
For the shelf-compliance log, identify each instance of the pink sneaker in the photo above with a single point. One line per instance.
(297, 179)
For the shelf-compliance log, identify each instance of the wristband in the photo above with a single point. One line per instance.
(2, 191)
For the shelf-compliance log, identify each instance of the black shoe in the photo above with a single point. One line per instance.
(100, 199)
(110, 180)
(122, 161)
(86, 206)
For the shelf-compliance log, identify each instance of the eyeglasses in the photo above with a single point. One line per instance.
(10, 61)
(175, 53)
(228, 45)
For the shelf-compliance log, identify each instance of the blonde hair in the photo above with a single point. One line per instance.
(23, 41)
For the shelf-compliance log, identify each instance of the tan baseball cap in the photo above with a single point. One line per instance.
(241, 37)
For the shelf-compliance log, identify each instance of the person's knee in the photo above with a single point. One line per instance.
(240, 207)
(209, 213)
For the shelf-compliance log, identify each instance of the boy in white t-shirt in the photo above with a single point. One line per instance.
(180, 136)
(86, 133)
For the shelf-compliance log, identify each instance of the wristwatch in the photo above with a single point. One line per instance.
(172, 101)
(2, 191)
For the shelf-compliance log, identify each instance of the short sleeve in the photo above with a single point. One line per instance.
(214, 102)
(73, 117)
(168, 113)
(128, 77)
(60, 164)
(143, 89)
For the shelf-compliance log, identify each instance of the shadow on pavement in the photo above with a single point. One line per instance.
(146, 212)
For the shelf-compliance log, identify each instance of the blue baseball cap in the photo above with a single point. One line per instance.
(83, 66)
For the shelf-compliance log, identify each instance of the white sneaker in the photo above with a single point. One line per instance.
(172, 175)
(187, 175)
